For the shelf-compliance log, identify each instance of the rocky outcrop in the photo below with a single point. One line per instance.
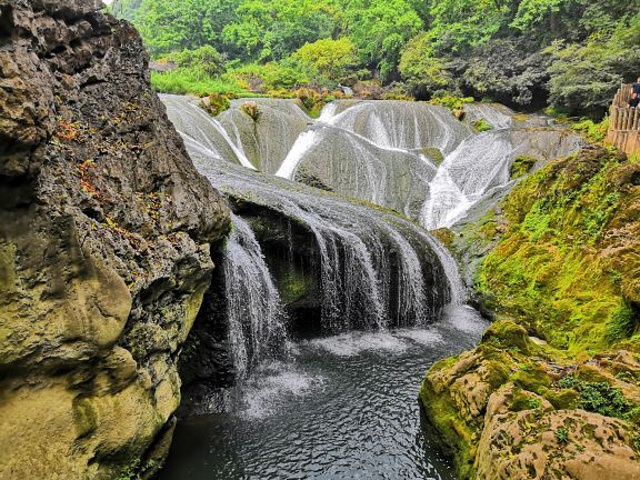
(513, 409)
(105, 232)
(558, 256)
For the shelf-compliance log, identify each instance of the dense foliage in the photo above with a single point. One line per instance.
(568, 54)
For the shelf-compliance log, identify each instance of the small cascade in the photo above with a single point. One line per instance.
(267, 140)
(254, 310)
(305, 142)
(207, 132)
(328, 112)
(480, 164)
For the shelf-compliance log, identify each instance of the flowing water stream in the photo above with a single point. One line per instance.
(340, 405)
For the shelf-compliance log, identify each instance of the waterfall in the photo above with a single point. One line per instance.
(206, 131)
(377, 269)
(254, 311)
(302, 145)
(479, 164)
(267, 140)
(403, 125)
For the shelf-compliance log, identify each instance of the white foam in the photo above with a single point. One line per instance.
(269, 386)
(354, 343)
(421, 336)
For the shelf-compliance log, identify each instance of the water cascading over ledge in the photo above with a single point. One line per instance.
(339, 265)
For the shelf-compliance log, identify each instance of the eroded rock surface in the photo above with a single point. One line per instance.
(105, 234)
(513, 409)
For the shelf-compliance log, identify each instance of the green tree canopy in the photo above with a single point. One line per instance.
(274, 29)
(332, 59)
(380, 29)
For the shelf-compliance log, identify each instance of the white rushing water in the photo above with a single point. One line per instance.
(377, 270)
(479, 164)
(254, 311)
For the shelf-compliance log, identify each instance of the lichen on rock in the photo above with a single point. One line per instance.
(105, 234)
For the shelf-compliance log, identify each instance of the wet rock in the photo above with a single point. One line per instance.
(105, 233)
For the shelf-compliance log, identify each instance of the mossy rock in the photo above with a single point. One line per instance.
(445, 236)
(564, 399)
(507, 334)
(481, 125)
(521, 166)
(434, 154)
(534, 379)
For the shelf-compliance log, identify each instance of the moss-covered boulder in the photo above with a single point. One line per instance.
(514, 409)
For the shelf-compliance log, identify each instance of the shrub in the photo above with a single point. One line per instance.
(594, 132)
(206, 58)
(252, 109)
(453, 103)
(333, 59)
(562, 435)
(598, 397)
(216, 104)
(482, 125)
(192, 81)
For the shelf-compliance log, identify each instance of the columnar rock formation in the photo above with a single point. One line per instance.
(105, 236)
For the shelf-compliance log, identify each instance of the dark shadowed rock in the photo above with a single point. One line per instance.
(105, 233)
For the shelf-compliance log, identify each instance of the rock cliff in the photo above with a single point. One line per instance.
(105, 237)
(553, 389)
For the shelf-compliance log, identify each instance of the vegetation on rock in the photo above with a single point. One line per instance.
(561, 262)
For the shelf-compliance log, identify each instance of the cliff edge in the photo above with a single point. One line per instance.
(105, 236)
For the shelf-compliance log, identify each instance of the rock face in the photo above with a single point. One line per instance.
(511, 409)
(105, 235)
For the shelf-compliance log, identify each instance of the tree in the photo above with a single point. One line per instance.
(274, 29)
(584, 77)
(168, 25)
(332, 59)
(380, 29)
(422, 69)
(206, 58)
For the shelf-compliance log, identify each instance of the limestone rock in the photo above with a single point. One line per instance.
(105, 234)
(504, 412)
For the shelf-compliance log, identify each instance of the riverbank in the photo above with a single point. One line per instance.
(554, 386)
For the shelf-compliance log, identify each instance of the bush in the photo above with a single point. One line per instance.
(206, 58)
(482, 125)
(311, 100)
(271, 76)
(252, 109)
(594, 132)
(599, 397)
(216, 104)
(333, 59)
(192, 81)
(562, 435)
